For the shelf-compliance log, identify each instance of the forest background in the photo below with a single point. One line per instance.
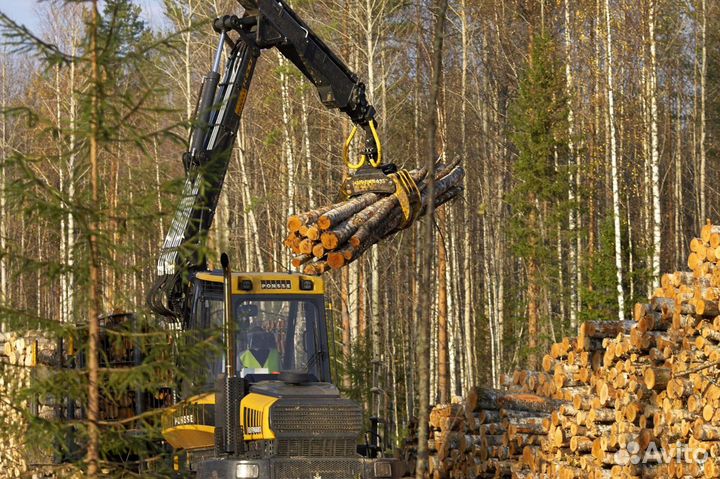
(589, 132)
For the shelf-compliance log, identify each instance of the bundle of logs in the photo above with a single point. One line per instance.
(333, 236)
(625, 399)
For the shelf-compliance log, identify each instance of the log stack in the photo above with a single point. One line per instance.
(333, 236)
(629, 399)
(16, 356)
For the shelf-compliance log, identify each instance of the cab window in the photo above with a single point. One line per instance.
(271, 334)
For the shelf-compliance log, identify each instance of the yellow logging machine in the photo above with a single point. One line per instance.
(267, 407)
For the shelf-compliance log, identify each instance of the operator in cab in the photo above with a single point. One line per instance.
(261, 351)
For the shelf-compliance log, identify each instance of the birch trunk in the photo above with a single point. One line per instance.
(597, 127)
(574, 177)
(499, 239)
(345, 316)
(614, 167)
(679, 220)
(306, 147)
(63, 215)
(287, 148)
(222, 224)
(655, 163)
(361, 302)
(467, 239)
(156, 159)
(370, 47)
(187, 63)
(250, 218)
(72, 157)
(647, 172)
(489, 306)
(456, 349)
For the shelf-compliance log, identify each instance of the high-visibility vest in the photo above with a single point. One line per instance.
(272, 362)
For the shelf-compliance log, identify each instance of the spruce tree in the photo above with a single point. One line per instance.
(539, 192)
(76, 403)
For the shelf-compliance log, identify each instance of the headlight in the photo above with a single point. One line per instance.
(247, 471)
(383, 469)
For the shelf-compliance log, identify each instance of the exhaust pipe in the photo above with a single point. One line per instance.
(230, 388)
(228, 320)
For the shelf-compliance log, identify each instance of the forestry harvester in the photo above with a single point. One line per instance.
(269, 409)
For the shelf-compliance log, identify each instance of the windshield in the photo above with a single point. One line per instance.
(272, 334)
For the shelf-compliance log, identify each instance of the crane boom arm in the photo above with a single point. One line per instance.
(266, 24)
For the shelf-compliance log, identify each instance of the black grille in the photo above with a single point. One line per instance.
(338, 416)
(311, 447)
(325, 468)
(189, 413)
(328, 427)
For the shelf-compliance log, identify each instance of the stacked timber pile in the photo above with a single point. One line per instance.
(23, 360)
(637, 398)
(333, 236)
(16, 357)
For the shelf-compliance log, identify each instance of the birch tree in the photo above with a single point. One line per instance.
(613, 162)
(655, 160)
(574, 179)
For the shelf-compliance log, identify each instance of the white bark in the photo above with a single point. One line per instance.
(451, 322)
(187, 64)
(63, 207)
(560, 261)
(454, 301)
(353, 285)
(631, 260)
(156, 159)
(222, 225)
(647, 209)
(655, 162)
(467, 239)
(494, 193)
(180, 70)
(70, 260)
(370, 46)
(252, 236)
(573, 162)
(306, 146)
(287, 148)
(679, 246)
(489, 306)
(614, 167)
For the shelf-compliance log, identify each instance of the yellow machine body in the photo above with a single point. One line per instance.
(267, 283)
(189, 425)
(255, 417)
(185, 424)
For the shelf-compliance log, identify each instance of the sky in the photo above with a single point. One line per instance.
(25, 11)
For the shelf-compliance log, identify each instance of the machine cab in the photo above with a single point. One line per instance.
(279, 324)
